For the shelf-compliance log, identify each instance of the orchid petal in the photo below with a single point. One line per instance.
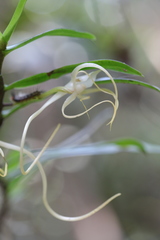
(31, 118)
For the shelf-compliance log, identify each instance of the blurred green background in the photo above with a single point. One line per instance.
(127, 31)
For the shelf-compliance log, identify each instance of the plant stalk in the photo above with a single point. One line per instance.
(2, 48)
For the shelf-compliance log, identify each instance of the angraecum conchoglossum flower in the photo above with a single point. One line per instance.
(77, 86)
(80, 86)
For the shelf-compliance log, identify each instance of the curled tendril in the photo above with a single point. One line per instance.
(45, 184)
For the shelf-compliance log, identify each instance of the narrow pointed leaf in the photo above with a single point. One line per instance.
(14, 20)
(55, 32)
(99, 148)
(56, 73)
(127, 81)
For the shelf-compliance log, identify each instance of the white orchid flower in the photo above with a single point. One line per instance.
(77, 86)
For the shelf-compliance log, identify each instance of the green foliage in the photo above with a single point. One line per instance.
(13, 180)
(128, 81)
(129, 145)
(51, 33)
(98, 148)
(116, 146)
(56, 73)
(15, 18)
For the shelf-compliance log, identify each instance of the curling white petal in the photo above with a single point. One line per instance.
(31, 118)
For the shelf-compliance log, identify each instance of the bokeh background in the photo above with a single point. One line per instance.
(127, 31)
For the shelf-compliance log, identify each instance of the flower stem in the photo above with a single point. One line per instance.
(2, 48)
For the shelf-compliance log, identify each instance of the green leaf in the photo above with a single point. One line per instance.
(13, 166)
(12, 24)
(100, 148)
(56, 73)
(125, 143)
(55, 32)
(12, 159)
(15, 185)
(127, 81)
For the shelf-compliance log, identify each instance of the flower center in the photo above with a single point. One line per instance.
(79, 87)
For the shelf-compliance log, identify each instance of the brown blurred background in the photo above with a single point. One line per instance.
(127, 31)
